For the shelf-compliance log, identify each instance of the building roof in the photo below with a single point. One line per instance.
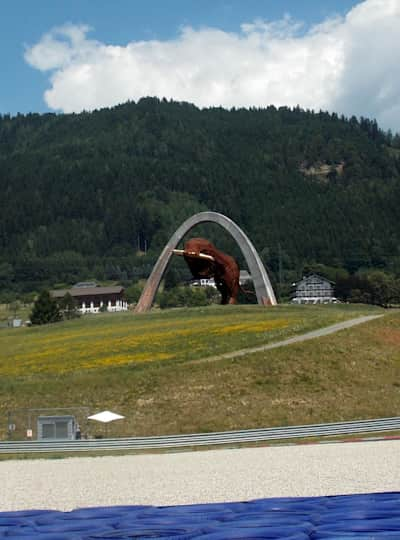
(87, 291)
(85, 284)
(315, 276)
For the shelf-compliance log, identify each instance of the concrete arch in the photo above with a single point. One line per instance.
(262, 284)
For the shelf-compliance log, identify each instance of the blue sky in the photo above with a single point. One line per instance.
(84, 54)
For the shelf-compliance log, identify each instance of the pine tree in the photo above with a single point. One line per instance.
(45, 309)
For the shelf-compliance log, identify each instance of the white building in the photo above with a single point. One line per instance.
(314, 289)
(94, 299)
(203, 282)
(209, 282)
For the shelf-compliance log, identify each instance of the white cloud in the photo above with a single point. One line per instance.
(60, 47)
(346, 64)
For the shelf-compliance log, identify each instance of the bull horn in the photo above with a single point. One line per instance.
(193, 254)
(205, 256)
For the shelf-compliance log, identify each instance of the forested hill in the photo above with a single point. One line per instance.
(83, 194)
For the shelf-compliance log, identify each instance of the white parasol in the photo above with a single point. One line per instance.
(105, 417)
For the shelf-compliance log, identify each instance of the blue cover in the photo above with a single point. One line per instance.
(369, 516)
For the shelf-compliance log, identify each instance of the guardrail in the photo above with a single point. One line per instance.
(203, 439)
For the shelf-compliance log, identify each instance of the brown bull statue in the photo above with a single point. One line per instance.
(206, 261)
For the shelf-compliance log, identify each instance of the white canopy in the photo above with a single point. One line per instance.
(105, 417)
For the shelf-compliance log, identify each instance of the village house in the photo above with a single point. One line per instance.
(314, 289)
(93, 299)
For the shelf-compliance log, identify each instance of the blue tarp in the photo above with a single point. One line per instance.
(366, 516)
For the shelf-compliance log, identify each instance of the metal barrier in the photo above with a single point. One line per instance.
(204, 439)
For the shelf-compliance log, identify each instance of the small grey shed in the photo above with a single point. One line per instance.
(56, 427)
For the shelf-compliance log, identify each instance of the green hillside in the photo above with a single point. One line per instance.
(96, 195)
(145, 368)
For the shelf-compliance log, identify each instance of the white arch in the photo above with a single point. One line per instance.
(262, 284)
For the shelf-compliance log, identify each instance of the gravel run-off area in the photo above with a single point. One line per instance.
(201, 476)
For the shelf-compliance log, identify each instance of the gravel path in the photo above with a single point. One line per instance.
(200, 477)
(296, 339)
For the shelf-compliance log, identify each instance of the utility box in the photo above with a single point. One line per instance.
(15, 323)
(56, 427)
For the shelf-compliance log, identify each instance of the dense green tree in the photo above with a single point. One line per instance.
(45, 309)
(184, 296)
(133, 293)
(383, 288)
(369, 287)
(68, 307)
(6, 274)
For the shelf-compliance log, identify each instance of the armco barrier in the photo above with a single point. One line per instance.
(204, 439)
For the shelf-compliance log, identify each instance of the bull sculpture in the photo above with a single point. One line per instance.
(206, 261)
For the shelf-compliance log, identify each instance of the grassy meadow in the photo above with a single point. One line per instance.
(140, 366)
(10, 311)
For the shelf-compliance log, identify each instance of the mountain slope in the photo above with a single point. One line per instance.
(82, 193)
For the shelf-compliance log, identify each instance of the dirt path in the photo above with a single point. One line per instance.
(295, 339)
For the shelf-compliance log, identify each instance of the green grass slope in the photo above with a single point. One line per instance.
(139, 366)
